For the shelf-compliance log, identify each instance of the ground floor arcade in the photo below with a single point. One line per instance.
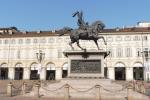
(51, 72)
(28, 74)
(117, 73)
(121, 72)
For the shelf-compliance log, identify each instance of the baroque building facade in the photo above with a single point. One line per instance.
(18, 53)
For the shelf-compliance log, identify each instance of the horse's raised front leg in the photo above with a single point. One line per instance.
(104, 40)
(70, 43)
(79, 45)
(96, 44)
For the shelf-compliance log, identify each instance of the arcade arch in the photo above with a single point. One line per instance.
(65, 70)
(120, 72)
(138, 71)
(18, 71)
(3, 71)
(50, 71)
(34, 70)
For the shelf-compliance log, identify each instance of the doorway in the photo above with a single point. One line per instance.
(3, 73)
(64, 73)
(120, 73)
(34, 75)
(50, 75)
(18, 73)
(138, 73)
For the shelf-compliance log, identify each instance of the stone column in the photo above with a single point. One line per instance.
(11, 73)
(26, 73)
(43, 74)
(129, 73)
(9, 89)
(111, 73)
(58, 73)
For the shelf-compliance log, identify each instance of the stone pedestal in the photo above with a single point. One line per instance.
(9, 89)
(130, 93)
(86, 63)
(66, 92)
(97, 92)
(36, 90)
(24, 88)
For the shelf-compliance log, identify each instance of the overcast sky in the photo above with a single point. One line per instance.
(55, 14)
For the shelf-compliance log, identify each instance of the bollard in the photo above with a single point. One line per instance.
(129, 92)
(9, 89)
(39, 82)
(36, 90)
(24, 88)
(142, 89)
(66, 92)
(34, 83)
(136, 87)
(133, 84)
(97, 92)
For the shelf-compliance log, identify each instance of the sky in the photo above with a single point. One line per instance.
(34, 15)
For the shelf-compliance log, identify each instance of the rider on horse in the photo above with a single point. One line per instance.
(81, 23)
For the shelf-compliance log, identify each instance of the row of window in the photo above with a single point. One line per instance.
(127, 38)
(30, 54)
(128, 52)
(53, 40)
(53, 53)
(35, 40)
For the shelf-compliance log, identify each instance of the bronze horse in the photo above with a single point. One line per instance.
(77, 34)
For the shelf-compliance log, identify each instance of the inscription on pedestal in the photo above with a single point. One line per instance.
(85, 66)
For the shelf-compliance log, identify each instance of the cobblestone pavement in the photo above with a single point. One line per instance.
(3, 86)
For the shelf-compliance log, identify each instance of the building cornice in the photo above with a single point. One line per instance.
(115, 31)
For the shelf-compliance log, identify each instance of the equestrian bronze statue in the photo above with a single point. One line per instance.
(84, 32)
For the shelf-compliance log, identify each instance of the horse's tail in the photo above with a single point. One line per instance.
(63, 31)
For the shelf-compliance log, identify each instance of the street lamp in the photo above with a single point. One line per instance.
(40, 57)
(146, 64)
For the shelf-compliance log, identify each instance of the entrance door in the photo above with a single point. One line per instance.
(138, 73)
(18, 73)
(3, 73)
(119, 73)
(34, 75)
(64, 73)
(50, 75)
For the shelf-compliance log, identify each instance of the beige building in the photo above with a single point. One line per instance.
(19, 50)
(143, 24)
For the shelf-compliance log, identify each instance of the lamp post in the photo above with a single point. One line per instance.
(146, 64)
(40, 57)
